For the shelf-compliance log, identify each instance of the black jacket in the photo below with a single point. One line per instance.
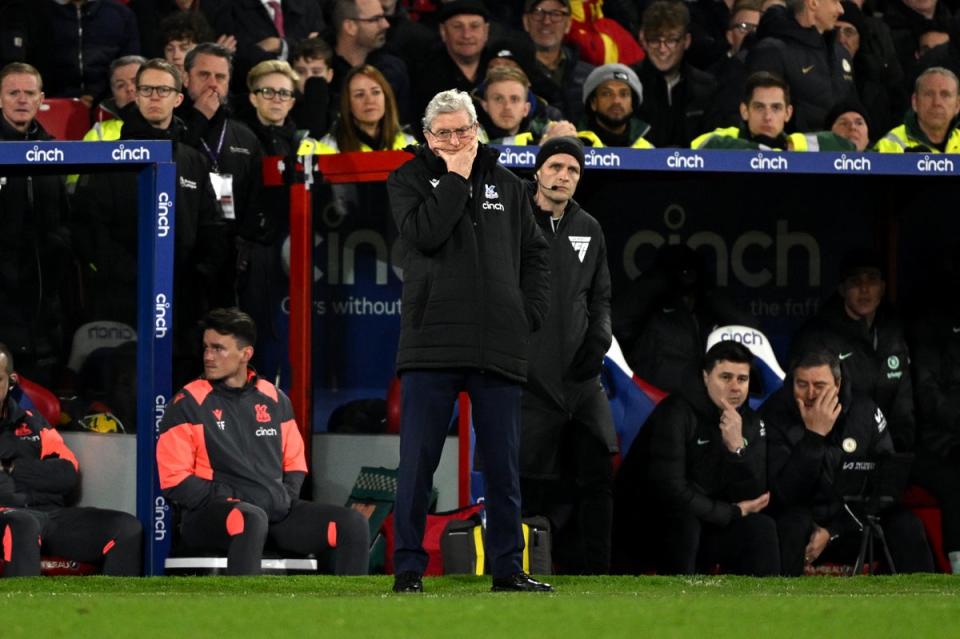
(881, 372)
(34, 253)
(73, 46)
(109, 232)
(239, 156)
(935, 346)
(441, 73)
(217, 443)
(679, 462)
(662, 337)
(803, 466)
(906, 27)
(45, 471)
(249, 22)
(818, 70)
(566, 354)
(274, 205)
(679, 115)
(475, 266)
(568, 94)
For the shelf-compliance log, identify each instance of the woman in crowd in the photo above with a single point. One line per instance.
(368, 117)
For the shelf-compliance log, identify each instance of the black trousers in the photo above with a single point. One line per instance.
(93, 535)
(941, 476)
(903, 531)
(428, 397)
(681, 544)
(242, 530)
(579, 504)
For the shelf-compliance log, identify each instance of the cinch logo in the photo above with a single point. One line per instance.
(677, 161)
(747, 339)
(160, 509)
(520, 158)
(160, 316)
(266, 432)
(262, 414)
(119, 333)
(159, 408)
(492, 206)
(776, 163)
(36, 154)
(123, 153)
(163, 214)
(731, 253)
(843, 163)
(599, 158)
(940, 165)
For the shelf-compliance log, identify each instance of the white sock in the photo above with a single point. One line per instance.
(954, 558)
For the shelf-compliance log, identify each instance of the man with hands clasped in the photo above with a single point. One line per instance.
(691, 492)
(818, 430)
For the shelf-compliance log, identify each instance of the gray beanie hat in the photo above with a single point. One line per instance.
(615, 71)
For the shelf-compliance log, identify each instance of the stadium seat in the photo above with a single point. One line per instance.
(765, 362)
(64, 118)
(43, 400)
(927, 509)
(99, 334)
(631, 399)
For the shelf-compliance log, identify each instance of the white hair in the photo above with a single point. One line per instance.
(449, 101)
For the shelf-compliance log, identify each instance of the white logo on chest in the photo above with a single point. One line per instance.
(580, 244)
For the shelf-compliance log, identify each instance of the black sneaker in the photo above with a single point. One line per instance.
(408, 581)
(519, 582)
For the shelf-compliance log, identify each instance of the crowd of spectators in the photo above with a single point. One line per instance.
(695, 60)
(230, 82)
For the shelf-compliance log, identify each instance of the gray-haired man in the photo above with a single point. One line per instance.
(476, 284)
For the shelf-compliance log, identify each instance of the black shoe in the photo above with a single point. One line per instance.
(408, 581)
(519, 582)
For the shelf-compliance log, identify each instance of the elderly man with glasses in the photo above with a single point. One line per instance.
(476, 285)
(559, 72)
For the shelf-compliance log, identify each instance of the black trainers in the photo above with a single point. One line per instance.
(408, 581)
(519, 582)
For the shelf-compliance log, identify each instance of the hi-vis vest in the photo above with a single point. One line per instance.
(592, 139)
(899, 140)
(327, 145)
(797, 141)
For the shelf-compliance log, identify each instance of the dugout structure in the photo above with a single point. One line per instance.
(152, 161)
(624, 188)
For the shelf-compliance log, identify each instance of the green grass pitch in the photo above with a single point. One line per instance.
(593, 607)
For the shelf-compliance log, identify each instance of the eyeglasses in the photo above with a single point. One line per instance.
(268, 93)
(848, 32)
(463, 133)
(541, 15)
(372, 19)
(744, 27)
(670, 42)
(145, 91)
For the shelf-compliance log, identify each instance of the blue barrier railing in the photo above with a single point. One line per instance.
(153, 161)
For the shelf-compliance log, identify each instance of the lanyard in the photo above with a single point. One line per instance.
(215, 159)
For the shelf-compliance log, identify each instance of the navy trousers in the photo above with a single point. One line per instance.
(427, 399)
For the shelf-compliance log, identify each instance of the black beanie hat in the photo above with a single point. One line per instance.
(564, 144)
(853, 15)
